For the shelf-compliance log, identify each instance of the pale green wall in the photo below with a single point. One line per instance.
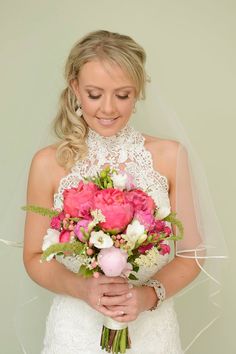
(191, 53)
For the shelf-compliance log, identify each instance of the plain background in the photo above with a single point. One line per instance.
(191, 52)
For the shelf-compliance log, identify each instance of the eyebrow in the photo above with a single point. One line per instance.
(119, 88)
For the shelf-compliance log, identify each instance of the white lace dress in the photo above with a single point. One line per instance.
(72, 326)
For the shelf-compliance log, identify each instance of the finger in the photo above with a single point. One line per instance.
(112, 280)
(115, 300)
(116, 289)
(110, 313)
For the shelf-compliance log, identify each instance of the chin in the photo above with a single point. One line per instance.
(108, 130)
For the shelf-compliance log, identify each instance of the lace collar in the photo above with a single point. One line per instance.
(126, 136)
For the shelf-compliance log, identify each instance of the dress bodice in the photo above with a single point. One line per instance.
(123, 151)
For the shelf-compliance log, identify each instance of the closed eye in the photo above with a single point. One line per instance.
(94, 97)
(123, 97)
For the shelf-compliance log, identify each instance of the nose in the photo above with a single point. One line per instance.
(108, 107)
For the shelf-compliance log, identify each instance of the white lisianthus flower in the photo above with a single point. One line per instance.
(135, 233)
(119, 181)
(162, 212)
(51, 238)
(100, 239)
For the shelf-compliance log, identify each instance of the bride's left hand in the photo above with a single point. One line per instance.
(142, 298)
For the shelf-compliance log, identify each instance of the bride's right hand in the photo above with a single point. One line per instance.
(95, 288)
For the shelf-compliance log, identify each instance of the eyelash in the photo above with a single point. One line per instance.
(97, 97)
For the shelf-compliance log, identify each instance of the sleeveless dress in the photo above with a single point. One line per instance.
(73, 327)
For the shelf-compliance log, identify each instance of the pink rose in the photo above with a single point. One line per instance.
(79, 201)
(113, 261)
(84, 224)
(164, 249)
(141, 201)
(116, 209)
(64, 236)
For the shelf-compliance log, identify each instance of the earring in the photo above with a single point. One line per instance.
(79, 110)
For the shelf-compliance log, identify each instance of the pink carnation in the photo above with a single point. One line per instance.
(113, 261)
(144, 249)
(116, 209)
(79, 201)
(141, 201)
(164, 249)
(56, 221)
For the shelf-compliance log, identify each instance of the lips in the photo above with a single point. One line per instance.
(107, 121)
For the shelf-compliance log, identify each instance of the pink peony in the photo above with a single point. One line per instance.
(64, 236)
(79, 201)
(113, 261)
(84, 224)
(141, 201)
(116, 209)
(164, 249)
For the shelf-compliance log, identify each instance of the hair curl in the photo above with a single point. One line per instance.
(105, 46)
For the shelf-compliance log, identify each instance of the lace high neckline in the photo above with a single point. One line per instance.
(124, 136)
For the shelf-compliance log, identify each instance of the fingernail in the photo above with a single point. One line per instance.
(129, 295)
(121, 313)
(131, 286)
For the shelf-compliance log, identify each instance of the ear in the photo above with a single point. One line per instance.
(75, 87)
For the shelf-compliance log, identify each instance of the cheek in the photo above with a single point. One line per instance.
(89, 106)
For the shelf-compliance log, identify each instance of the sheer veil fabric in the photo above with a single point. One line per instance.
(203, 240)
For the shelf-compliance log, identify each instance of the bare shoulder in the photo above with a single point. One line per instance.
(164, 154)
(44, 164)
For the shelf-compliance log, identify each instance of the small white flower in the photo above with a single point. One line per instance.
(135, 233)
(98, 217)
(50, 238)
(162, 212)
(100, 239)
(119, 181)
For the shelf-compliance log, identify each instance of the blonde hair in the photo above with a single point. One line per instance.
(106, 46)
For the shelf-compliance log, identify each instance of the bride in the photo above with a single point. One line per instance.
(105, 77)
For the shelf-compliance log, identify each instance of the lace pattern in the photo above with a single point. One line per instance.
(126, 151)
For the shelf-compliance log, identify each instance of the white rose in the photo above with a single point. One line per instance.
(100, 239)
(162, 212)
(119, 181)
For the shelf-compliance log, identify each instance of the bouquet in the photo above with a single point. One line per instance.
(111, 226)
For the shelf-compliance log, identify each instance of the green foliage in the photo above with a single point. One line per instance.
(176, 222)
(87, 273)
(40, 210)
(73, 248)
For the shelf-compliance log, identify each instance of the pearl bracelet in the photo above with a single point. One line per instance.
(159, 290)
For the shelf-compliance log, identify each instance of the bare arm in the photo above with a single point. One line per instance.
(179, 272)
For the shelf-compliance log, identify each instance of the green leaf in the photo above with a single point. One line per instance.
(132, 277)
(40, 210)
(176, 222)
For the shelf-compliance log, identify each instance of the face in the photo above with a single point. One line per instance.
(107, 96)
